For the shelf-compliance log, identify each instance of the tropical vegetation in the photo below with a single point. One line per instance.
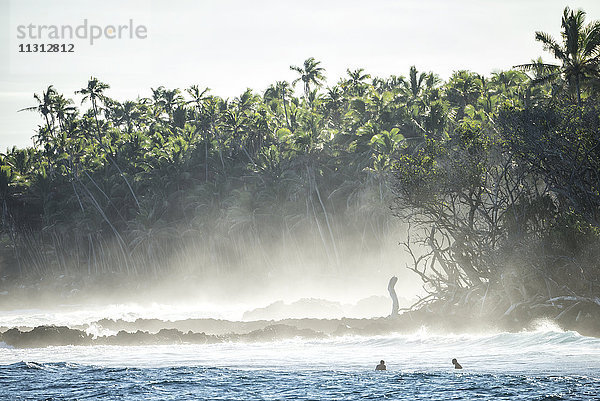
(496, 177)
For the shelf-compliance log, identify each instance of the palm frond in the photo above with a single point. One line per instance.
(551, 45)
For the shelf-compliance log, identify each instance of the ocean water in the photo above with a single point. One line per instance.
(547, 364)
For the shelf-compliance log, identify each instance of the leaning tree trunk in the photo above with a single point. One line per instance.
(287, 120)
(112, 160)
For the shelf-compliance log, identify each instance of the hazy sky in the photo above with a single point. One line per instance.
(231, 45)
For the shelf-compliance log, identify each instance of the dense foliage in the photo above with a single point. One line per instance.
(498, 177)
(506, 204)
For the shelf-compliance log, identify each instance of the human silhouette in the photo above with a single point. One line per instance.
(393, 295)
(381, 365)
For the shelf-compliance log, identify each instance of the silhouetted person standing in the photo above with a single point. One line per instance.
(393, 295)
(381, 365)
(456, 364)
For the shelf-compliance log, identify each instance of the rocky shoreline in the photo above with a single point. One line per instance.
(208, 331)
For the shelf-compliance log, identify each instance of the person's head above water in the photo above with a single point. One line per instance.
(383, 362)
(381, 365)
(456, 364)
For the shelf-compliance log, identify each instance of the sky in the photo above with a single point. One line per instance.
(231, 45)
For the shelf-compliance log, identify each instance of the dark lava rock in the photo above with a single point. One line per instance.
(44, 336)
(164, 336)
(281, 332)
(126, 338)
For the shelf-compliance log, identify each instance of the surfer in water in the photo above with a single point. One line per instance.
(381, 365)
(456, 364)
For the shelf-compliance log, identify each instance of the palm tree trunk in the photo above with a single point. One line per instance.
(335, 251)
(212, 129)
(578, 87)
(50, 129)
(287, 120)
(111, 158)
(206, 159)
(306, 91)
(313, 184)
(12, 234)
(90, 245)
(120, 240)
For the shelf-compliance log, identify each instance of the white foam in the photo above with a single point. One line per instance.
(506, 352)
(546, 326)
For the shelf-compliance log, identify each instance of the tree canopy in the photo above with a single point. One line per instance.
(497, 177)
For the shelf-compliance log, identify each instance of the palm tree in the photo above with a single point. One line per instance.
(95, 93)
(413, 90)
(126, 113)
(334, 101)
(463, 88)
(579, 52)
(356, 81)
(415, 84)
(198, 98)
(539, 70)
(7, 192)
(63, 108)
(280, 90)
(310, 74)
(45, 106)
(395, 83)
(197, 95)
(166, 100)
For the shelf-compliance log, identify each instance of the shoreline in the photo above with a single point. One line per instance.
(212, 331)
